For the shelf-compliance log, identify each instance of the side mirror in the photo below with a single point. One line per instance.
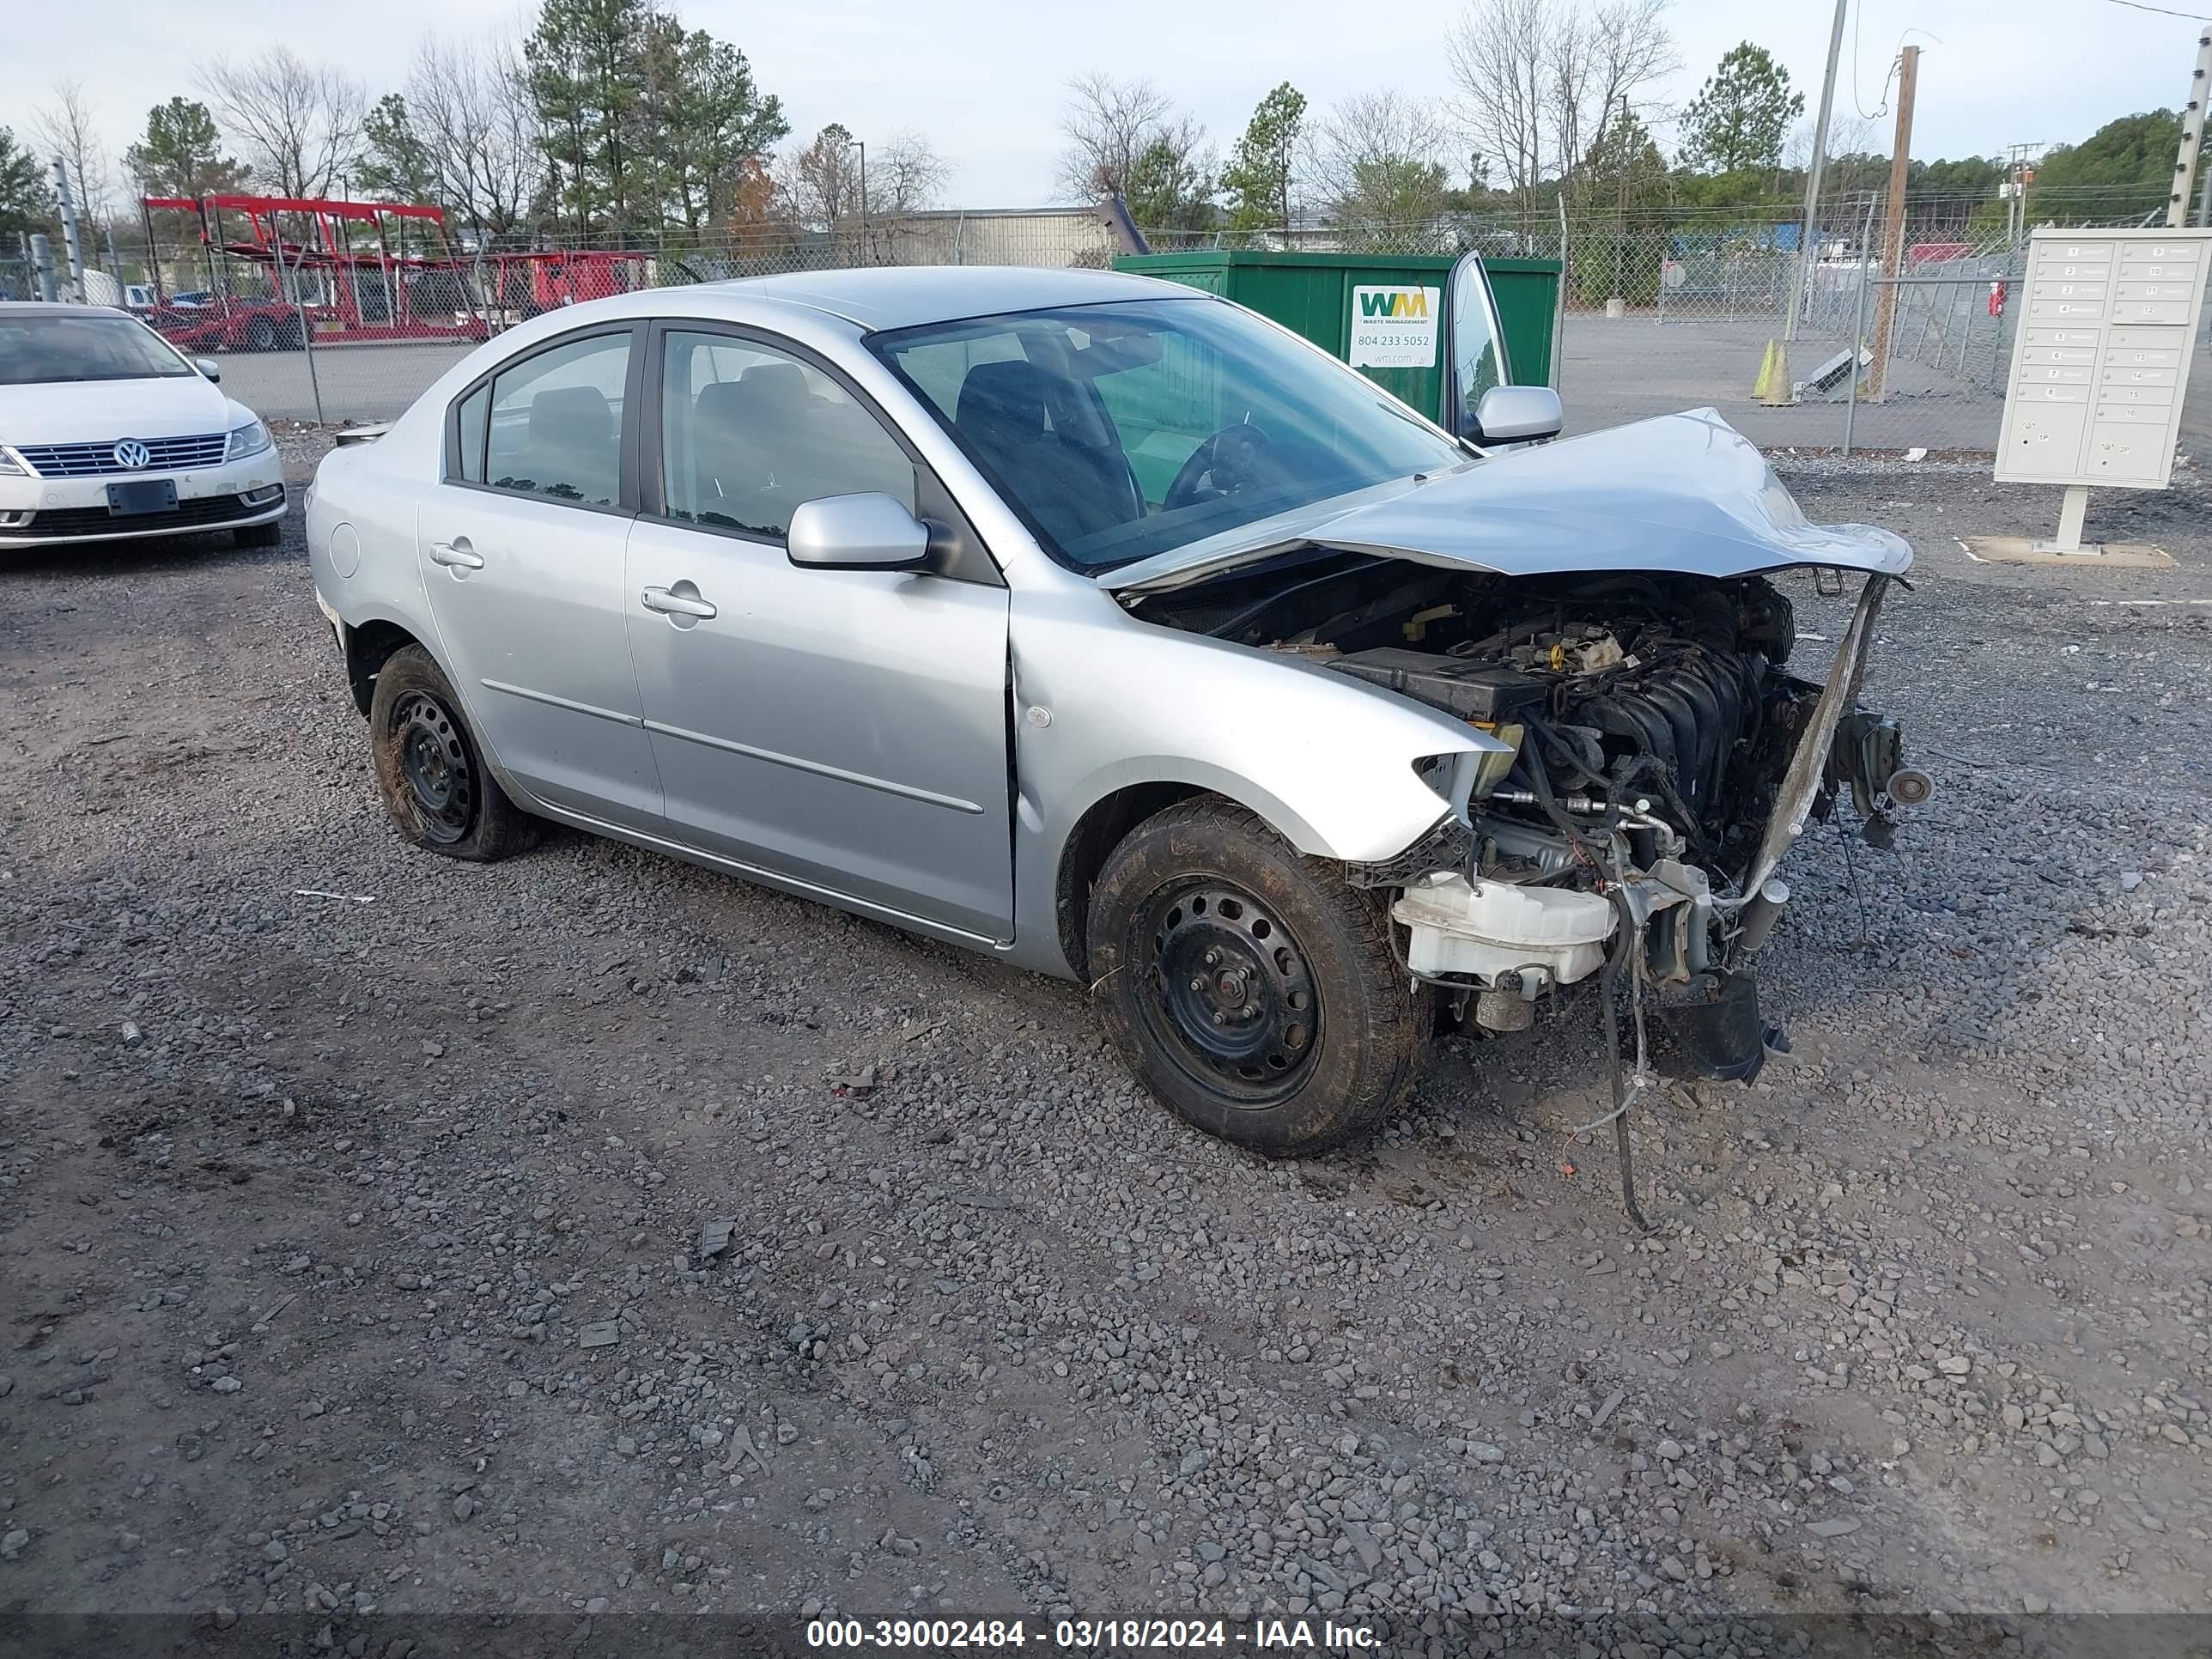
(871, 532)
(1516, 414)
(209, 366)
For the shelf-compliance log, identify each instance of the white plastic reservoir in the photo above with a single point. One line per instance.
(1493, 927)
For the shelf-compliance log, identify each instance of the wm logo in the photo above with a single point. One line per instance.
(1398, 303)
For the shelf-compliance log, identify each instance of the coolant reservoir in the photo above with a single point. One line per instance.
(1493, 927)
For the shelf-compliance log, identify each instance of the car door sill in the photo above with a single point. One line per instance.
(793, 884)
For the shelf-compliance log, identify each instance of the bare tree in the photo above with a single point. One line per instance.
(1496, 55)
(64, 131)
(1378, 158)
(1626, 47)
(470, 103)
(298, 123)
(1540, 80)
(820, 179)
(905, 175)
(826, 185)
(1109, 124)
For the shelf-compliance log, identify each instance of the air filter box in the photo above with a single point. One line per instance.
(1472, 690)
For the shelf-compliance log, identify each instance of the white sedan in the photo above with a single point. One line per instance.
(106, 432)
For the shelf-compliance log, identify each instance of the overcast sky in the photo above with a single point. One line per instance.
(983, 79)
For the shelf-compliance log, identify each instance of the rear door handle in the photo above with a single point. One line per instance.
(672, 604)
(456, 553)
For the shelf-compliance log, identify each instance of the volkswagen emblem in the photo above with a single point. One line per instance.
(131, 455)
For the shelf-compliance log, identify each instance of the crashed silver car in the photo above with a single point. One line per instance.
(1112, 628)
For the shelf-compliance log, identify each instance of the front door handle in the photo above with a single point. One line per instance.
(456, 554)
(670, 603)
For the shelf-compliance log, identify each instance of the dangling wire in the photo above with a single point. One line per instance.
(1625, 1090)
(1851, 864)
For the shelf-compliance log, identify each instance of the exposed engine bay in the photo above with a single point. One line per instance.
(1649, 726)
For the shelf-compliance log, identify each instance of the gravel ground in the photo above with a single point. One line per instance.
(351, 1203)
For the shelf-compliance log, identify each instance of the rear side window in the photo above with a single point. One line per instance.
(553, 425)
(475, 417)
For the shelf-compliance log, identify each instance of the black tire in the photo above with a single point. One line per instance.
(259, 535)
(440, 796)
(290, 336)
(1298, 1030)
(260, 334)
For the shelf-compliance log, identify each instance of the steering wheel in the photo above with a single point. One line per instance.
(1221, 466)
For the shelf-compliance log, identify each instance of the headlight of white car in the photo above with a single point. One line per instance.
(248, 440)
(9, 466)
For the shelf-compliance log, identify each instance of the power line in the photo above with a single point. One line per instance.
(2165, 11)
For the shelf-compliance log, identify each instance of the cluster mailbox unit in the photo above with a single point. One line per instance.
(2099, 362)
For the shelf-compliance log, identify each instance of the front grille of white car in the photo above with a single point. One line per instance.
(89, 460)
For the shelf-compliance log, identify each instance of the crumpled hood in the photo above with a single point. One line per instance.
(1684, 492)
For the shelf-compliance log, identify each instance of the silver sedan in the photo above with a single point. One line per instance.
(1114, 629)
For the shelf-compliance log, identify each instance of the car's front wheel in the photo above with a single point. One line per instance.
(1249, 987)
(435, 786)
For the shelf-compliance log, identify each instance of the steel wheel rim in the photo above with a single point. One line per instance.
(1228, 993)
(435, 763)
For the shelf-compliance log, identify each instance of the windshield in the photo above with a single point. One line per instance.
(1119, 431)
(81, 346)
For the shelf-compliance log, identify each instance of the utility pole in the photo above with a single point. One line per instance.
(1893, 228)
(2017, 172)
(861, 144)
(1797, 276)
(68, 228)
(2192, 136)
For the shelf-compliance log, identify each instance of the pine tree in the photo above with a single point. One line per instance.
(1740, 117)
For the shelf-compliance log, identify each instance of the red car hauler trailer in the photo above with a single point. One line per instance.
(278, 266)
(523, 284)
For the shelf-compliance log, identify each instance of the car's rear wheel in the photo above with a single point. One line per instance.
(1252, 991)
(435, 786)
(260, 334)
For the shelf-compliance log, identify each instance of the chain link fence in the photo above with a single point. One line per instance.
(1901, 337)
(301, 335)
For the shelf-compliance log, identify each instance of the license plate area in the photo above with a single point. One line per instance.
(141, 495)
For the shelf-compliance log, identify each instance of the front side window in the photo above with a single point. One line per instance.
(41, 350)
(1119, 431)
(554, 423)
(747, 432)
(1475, 359)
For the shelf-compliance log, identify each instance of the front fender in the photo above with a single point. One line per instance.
(1104, 701)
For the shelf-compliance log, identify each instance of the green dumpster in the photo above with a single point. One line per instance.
(1424, 327)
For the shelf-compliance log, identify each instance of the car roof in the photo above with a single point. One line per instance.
(11, 308)
(903, 296)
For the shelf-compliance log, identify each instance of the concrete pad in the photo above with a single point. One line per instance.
(2029, 550)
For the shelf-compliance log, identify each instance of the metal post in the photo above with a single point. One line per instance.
(70, 240)
(2192, 135)
(1560, 299)
(1858, 325)
(1798, 272)
(1893, 229)
(42, 267)
(2072, 507)
(306, 333)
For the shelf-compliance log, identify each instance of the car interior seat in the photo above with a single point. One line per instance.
(1072, 488)
(571, 449)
